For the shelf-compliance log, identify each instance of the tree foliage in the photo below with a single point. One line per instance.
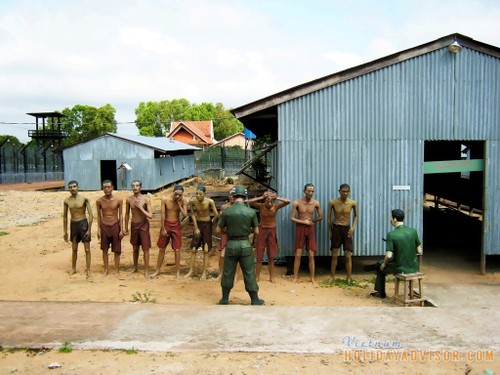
(83, 122)
(153, 118)
(12, 141)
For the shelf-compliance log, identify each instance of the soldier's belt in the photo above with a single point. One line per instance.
(238, 238)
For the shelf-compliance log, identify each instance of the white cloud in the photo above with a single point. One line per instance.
(61, 53)
(343, 60)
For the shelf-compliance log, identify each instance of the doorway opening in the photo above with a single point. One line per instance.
(453, 209)
(108, 171)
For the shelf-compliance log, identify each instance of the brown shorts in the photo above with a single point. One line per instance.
(110, 235)
(339, 237)
(78, 231)
(139, 235)
(173, 231)
(205, 236)
(266, 239)
(304, 235)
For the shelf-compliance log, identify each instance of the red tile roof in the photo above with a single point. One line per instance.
(201, 130)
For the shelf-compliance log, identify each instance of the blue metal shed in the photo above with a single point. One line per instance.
(381, 127)
(156, 162)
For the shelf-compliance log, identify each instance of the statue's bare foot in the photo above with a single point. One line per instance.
(105, 273)
(178, 276)
(155, 274)
(295, 280)
(188, 275)
(135, 270)
(331, 279)
(349, 280)
(147, 276)
(89, 274)
(72, 272)
(272, 280)
(313, 282)
(203, 277)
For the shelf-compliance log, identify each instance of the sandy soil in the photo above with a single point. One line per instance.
(35, 267)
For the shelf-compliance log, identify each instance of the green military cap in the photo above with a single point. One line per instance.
(240, 191)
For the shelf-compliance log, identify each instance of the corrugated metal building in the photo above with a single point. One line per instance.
(387, 128)
(123, 158)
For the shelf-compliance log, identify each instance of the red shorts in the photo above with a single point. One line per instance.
(139, 234)
(304, 235)
(266, 239)
(110, 235)
(172, 230)
(223, 241)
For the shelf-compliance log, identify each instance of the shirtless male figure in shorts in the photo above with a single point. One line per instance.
(267, 229)
(200, 207)
(140, 206)
(109, 225)
(80, 227)
(341, 230)
(305, 209)
(172, 206)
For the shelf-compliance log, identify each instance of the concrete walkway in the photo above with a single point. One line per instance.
(152, 327)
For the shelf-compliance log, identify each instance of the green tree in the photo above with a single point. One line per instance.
(83, 122)
(225, 124)
(153, 118)
(11, 141)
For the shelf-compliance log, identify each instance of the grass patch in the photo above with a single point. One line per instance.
(131, 351)
(65, 347)
(388, 279)
(3, 233)
(343, 283)
(142, 298)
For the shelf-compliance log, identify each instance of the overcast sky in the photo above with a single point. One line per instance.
(55, 54)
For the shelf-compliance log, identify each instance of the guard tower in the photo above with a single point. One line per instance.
(47, 135)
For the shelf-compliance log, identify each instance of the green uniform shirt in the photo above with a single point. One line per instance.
(403, 242)
(239, 220)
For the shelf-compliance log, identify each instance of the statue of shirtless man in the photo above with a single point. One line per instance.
(109, 225)
(341, 230)
(80, 228)
(306, 211)
(140, 206)
(267, 238)
(201, 206)
(172, 207)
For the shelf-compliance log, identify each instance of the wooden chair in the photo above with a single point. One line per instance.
(409, 296)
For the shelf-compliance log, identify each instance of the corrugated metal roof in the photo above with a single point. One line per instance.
(162, 144)
(159, 143)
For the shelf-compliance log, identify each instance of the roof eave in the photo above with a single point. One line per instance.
(333, 79)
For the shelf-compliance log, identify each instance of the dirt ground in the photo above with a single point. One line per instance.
(35, 267)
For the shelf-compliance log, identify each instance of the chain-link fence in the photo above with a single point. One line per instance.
(228, 159)
(29, 164)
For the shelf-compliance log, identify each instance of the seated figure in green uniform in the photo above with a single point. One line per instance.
(402, 247)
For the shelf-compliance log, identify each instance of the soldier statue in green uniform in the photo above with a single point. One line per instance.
(402, 248)
(239, 221)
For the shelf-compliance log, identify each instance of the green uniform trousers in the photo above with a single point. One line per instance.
(239, 251)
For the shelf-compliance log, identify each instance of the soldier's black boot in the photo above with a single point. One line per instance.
(255, 300)
(225, 296)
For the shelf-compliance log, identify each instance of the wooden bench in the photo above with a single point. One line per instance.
(409, 296)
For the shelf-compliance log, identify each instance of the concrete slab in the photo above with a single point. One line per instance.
(152, 327)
